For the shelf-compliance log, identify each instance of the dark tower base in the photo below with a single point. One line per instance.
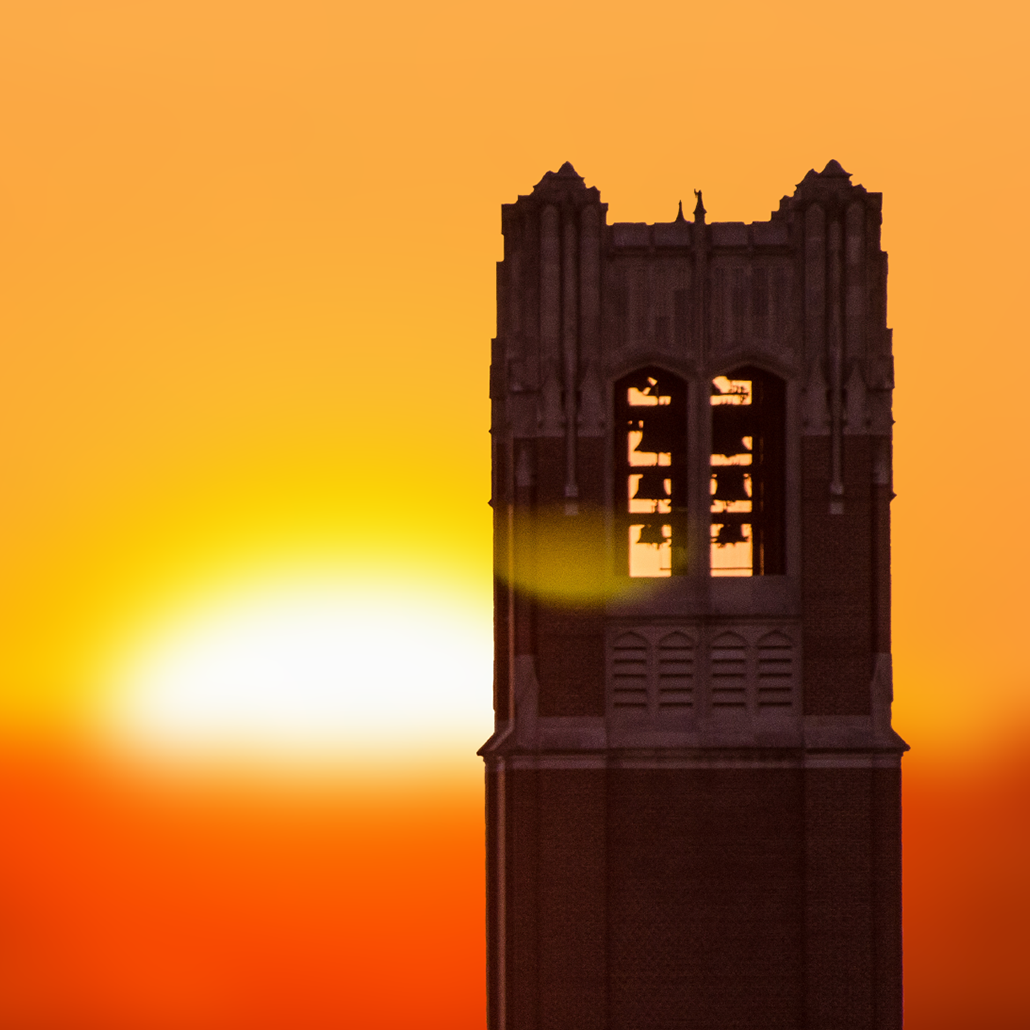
(704, 894)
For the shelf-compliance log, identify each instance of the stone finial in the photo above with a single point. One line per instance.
(699, 209)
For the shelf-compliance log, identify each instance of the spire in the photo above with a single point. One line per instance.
(699, 209)
(827, 186)
(679, 215)
(834, 169)
(561, 182)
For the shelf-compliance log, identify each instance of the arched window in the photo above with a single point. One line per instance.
(651, 473)
(747, 473)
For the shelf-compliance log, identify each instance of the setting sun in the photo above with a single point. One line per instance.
(309, 669)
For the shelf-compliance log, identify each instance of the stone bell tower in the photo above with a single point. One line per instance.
(693, 789)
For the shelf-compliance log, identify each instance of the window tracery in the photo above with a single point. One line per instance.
(651, 487)
(747, 473)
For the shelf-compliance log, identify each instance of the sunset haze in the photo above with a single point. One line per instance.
(247, 294)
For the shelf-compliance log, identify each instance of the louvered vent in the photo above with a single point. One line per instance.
(675, 672)
(729, 671)
(775, 671)
(629, 672)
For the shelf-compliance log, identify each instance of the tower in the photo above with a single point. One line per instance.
(693, 787)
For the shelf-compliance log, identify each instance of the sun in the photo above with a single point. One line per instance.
(307, 669)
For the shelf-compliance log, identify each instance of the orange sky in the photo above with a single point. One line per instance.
(246, 297)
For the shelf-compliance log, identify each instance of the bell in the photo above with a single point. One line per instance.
(644, 382)
(651, 486)
(729, 429)
(730, 483)
(735, 389)
(730, 533)
(659, 437)
(651, 533)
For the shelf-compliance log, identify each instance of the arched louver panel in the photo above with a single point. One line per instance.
(629, 672)
(775, 671)
(729, 671)
(675, 672)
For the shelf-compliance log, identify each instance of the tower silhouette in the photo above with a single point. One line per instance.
(693, 787)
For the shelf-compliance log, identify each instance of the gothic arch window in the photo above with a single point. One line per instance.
(651, 473)
(747, 473)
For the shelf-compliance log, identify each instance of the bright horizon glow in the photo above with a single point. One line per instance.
(306, 669)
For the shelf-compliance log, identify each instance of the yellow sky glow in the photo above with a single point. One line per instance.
(248, 290)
